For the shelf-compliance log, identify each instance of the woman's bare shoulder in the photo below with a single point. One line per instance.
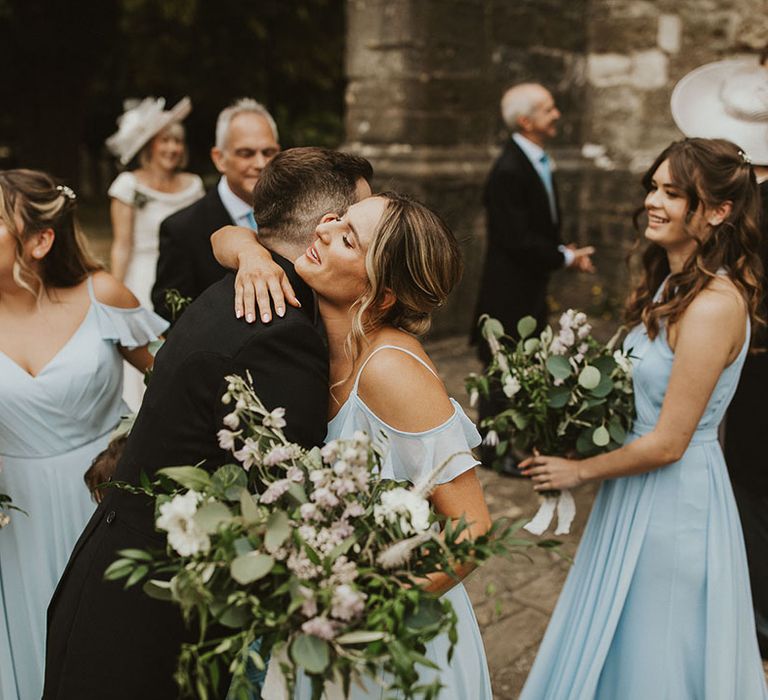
(109, 291)
(400, 389)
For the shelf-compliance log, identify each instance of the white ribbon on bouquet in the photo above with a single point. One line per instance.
(565, 507)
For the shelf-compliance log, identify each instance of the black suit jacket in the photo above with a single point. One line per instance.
(746, 422)
(186, 261)
(522, 242)
(103, 640)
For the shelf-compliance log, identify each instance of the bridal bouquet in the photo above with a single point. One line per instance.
(308, 552)
(565, 393)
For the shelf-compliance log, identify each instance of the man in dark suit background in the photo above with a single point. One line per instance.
(104, 641)
(246, 140)
(523, 245)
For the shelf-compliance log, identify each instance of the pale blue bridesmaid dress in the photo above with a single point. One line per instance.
(51, 427)
(657, 605)
(410, 456)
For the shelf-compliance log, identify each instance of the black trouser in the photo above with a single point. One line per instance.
(753, 511)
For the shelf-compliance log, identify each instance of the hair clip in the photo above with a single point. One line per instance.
(68, 192)
(745, 158)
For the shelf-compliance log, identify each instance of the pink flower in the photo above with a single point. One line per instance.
(274, 491)
(320, 627)
(347, 603)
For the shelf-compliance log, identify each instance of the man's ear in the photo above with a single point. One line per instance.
(716, 215)
(39, 244)
(217, 156)
(330, 216)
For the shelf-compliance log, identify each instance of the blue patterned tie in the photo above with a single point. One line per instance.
(252, 221)
(546, 176)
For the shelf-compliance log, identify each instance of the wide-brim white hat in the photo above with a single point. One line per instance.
(727, 100)
(137, 125)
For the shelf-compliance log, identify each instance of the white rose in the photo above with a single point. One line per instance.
(511, 386)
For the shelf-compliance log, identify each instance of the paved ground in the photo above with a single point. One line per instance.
(513, 598)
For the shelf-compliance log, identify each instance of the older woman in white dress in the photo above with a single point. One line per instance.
(143, 197)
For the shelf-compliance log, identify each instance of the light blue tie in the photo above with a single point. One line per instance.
(252, 221)
(546, 176)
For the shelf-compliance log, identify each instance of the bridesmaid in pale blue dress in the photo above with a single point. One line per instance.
(378, 272)
(658, 603)
(65, 327)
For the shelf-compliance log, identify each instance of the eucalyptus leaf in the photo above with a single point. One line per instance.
(361, 637)
(189, 477)
(233, 616)
(589, 377)
(228, 479)
(210, 515)
(249, 508)
(492, 328)
(606, 364)
(601, 437)
(250, 567)
(531, 345)
(526, 326)
(617, 431)
(427, 614)
(311, 653)
(559, 396)
(297, 492)
(558, 367)
(604, 388)
(278, 530)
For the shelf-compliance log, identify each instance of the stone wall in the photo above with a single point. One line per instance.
(425, 78)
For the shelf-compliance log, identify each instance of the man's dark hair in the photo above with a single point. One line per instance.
(300, 186)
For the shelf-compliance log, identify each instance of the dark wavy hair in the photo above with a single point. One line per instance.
(31, 197)
(708, 172)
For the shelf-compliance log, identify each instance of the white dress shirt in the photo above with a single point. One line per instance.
(239, 211)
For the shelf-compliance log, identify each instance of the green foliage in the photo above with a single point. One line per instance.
(565, 393)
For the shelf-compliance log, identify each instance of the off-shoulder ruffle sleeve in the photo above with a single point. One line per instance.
(130, 328)
(413, 456)
(124, 188)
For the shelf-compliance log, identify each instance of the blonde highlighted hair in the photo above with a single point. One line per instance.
(30, 203)
(412, 263)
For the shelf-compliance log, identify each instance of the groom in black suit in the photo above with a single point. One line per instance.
(246, 140)
(104, 641)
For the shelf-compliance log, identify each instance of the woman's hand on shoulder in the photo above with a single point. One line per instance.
(113, 293)
(402, 392)
(259, 281)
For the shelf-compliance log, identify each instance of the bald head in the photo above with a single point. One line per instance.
(530, 109)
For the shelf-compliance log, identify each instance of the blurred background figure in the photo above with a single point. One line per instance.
(523, 224)
(65, 327)
(729, 99)
(246, 140)
(141, 198)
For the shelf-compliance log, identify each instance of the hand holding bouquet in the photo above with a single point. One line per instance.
(565, 393)
(308, 551)
(6, 504)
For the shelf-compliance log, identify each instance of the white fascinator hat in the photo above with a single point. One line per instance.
(140, 122)
(727, 100)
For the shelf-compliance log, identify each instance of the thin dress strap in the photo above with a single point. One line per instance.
(390, 347)
(91, 293)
